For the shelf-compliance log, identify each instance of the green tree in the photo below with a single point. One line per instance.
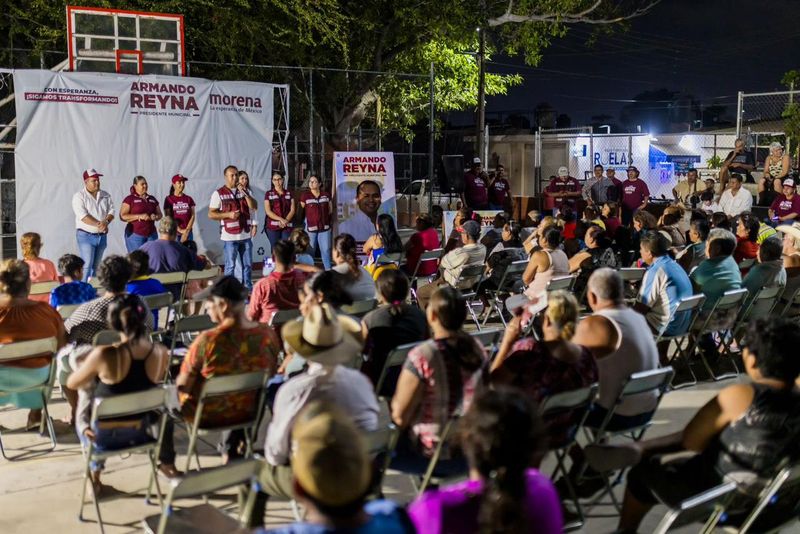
(390, 36)
(791, 113)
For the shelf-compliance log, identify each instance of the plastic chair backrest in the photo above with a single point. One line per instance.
(205, 274)
(731, 299)
(690, 303)
(224, 385)
(763, 302)
(106, 337)
(194, 323)
(389, 257)
(395, 358)
(746, 264)
(568, 401)
(487, 338)
(169, 278)
(129, 404)
(43, 288)
(360, 307)
(24, 349)
(197, 483)
(646, 381)
(631, 274)
(284, 316)
(66, 310)
(158, 300)
(561, 282)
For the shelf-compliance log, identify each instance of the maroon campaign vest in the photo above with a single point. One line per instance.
(318, 217)
(231, 201)
(280, 204)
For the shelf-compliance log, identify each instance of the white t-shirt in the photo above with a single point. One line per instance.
(216, 203)
(99, 207)
(734, 205)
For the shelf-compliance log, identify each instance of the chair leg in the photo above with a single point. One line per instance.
(191, 449)
(86, 475)
(561, 468)
(154, 480)
(474, 317)
(2, 449)
(48, 421)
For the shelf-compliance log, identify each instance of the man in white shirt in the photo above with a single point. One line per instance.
(362, 224)
(735, 200)
(94, 210)
(231, 205)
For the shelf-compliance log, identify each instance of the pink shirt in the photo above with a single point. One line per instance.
(278, 291)
(42, 270)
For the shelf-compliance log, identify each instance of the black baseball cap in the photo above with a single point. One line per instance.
(226, 287)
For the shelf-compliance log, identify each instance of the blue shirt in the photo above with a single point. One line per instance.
(716, 276)
(384, 518)
(304, 258)
(144, 287)
(76, 292)
(665, 283)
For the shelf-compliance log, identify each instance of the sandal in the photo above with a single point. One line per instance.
(169, 471)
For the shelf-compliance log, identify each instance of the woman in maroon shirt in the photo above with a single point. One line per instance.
(279, 207)
(180, 207)
(318, 211)
(141, 211)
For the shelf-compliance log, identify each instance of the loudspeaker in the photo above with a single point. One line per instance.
(451, 174)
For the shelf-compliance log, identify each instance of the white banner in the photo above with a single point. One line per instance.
(357, 216)
(124, 126)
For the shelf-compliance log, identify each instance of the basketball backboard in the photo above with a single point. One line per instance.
(130, 42)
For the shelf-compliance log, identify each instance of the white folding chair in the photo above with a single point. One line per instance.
(787, 302)
(20, 351)
(697, 507)
(760, 305)
(65, 310)
(692, 306)
(159, 302)
(427, 256)
(746, 263)
(106, 337)
(576, 402)
(396, 358)
(466, 276)
(632, 278)
(204, 518)
(561, 282)
(186, 326)
(511, 275)
(43, 288)
(359, 308)
(489, 340)
(773, 494)
(729, 304)
(204, 276)
(129, 405)
(224, 386)
(389, 257)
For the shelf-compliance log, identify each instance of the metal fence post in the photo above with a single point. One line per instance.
(739, 114)
(311, 116)
(321, 152)
(431, 132)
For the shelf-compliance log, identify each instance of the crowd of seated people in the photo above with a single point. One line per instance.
(324, 366)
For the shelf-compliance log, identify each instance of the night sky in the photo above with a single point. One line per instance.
(709, 49)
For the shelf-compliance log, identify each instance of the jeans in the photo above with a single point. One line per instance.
(243, 250)
(323, 240)
(273, 236)
(110, 439)
(134, 241)
(90, 248)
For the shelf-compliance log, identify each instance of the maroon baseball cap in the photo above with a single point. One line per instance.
(91, 173)
(179, 178)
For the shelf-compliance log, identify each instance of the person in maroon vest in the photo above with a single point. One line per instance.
(181, 207)
(318, 208)
(279, 207)
(231, 205)
(476, 192)
(140, 210)
(500, 191)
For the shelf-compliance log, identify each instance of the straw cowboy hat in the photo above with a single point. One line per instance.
(324, 336)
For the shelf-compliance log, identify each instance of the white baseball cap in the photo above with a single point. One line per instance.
(563, 171)
(476, 161)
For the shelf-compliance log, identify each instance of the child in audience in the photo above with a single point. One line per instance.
(301, 245)
(73, 290)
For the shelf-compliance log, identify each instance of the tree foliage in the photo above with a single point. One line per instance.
(391, 36)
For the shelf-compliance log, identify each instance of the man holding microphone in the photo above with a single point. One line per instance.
(231, 205)
(93, 210)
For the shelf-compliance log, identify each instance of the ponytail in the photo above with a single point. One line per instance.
(501, 503)
(345, 246)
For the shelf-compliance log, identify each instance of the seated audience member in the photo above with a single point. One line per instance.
(764, 231)
(385, 240)
(687, 192)
(41, 270)
(22, 319)
(791, 262)
(643, 221)
(166, 254)
(439, 377)
(302, 243)
(747, 228)
(357, 281)
(504, 254)
(503, 441)
(664, 285)
(454, 239)
(74, 290)
(786, 207)
(719, 272)
(509, 238)
(494, 235)
(707, 202)
(236, 345)
(692, 255)
(670, 222)
(598, 253)
(104, 371)
(279, 290)
(769, 271)
(554, 365)
(141, 283)
(327, 342)
(545, 264)
(570, 223)
(591, 217)
(740, 435)
(472, 253)
(327, 287)
(609, 213)
(720, 220)
(332, 473)
(424, 239)
(735, 200)
(393, 323)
